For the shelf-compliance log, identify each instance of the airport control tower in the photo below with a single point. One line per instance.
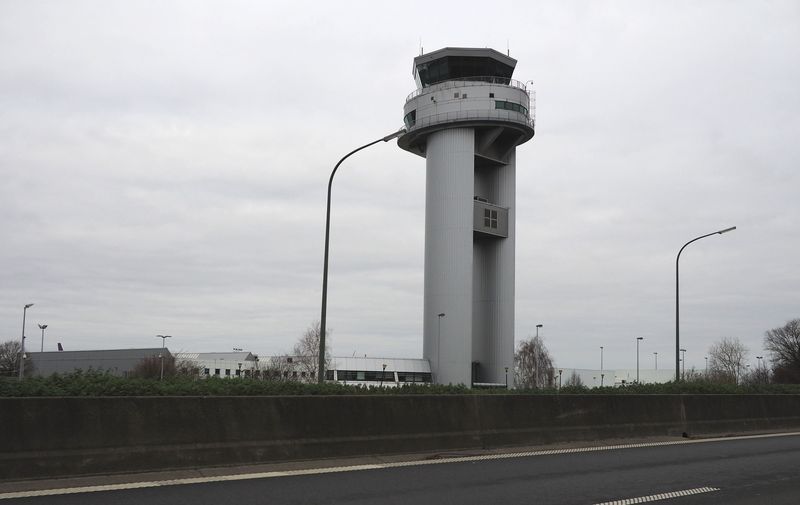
(466, 119)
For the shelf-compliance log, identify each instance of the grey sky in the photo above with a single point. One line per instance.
(164, 164)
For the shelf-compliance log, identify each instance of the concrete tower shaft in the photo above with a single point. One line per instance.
(466, 119)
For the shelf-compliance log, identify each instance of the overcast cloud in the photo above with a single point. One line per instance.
(164, 166)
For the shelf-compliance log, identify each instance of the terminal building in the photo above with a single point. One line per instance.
(466, 118)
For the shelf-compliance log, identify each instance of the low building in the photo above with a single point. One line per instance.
(379, 371)
(347, 370)
(119, 362)
(222, 364)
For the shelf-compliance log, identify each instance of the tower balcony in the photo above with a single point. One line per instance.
(476, 102)
(489, 219)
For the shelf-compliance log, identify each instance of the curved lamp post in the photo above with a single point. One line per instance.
(677, 300)
(22, 350)
(323, 317)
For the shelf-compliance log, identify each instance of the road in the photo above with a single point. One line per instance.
(747, 470)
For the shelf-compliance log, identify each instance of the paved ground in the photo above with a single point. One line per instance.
(747, 470)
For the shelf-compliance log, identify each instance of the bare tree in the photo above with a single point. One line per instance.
(784, 345)
(574, 380)
(533, 366)
(9, 360)
(306, 351)
(150, 367)
(726, 359)
(277, 368)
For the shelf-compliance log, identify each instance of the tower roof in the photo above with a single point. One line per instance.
(458, 62)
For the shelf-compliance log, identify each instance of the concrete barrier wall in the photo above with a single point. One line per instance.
(48, 437)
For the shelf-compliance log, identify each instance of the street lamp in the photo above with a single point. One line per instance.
(601, 366)
(323, 317)
(683, 364)
(438, 341)
(638, 339)
(506, 377)
(537, 329)
(383, 373)
(601, 358)
(163, 341)
(706, 367)
(677, 297)
(22, 349)
(42, 327)
(559, 378)
(656, 355)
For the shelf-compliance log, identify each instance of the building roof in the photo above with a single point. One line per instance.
(376, 364)
(98, 354)
(217, 356)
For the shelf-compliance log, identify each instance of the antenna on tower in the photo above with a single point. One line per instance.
(508, 48)
(420, 46)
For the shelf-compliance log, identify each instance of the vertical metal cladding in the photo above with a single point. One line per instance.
(448, 253)
(466, 119)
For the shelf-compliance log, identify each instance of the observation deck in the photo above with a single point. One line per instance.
(464, 87)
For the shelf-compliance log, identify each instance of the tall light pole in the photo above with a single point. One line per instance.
(677, 297)
(602, 375)
(163, 341)
(601, 358)
(42, 327)
(656, 355)
(537, 329)
(439, 341)
(683, 364)
(323, 317)
(638, 339)
(22, 350)
(706, 367)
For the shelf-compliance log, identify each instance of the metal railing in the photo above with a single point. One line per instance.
(461, 82)
(467, 115)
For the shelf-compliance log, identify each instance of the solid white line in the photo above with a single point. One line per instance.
(380, 466)
(661, 496)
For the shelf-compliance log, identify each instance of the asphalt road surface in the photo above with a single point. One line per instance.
(747, 470)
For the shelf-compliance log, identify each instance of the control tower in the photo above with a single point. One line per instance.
(466, 119)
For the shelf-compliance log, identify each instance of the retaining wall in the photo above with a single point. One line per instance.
(48, 437)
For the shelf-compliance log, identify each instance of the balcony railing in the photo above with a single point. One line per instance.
(468, 115)
(461, 82)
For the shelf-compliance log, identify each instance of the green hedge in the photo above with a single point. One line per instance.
(98, 384)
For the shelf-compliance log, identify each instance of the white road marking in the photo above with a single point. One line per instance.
(660, 496)
(380, 466)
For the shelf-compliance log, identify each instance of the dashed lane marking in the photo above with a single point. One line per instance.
(661, 496)
(381, 466)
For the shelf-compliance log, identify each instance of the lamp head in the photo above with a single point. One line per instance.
(639, 338)
(726, 230)
(29, 305)
(441, 314)
(539, 325)
(42, 326)
(394, 135)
